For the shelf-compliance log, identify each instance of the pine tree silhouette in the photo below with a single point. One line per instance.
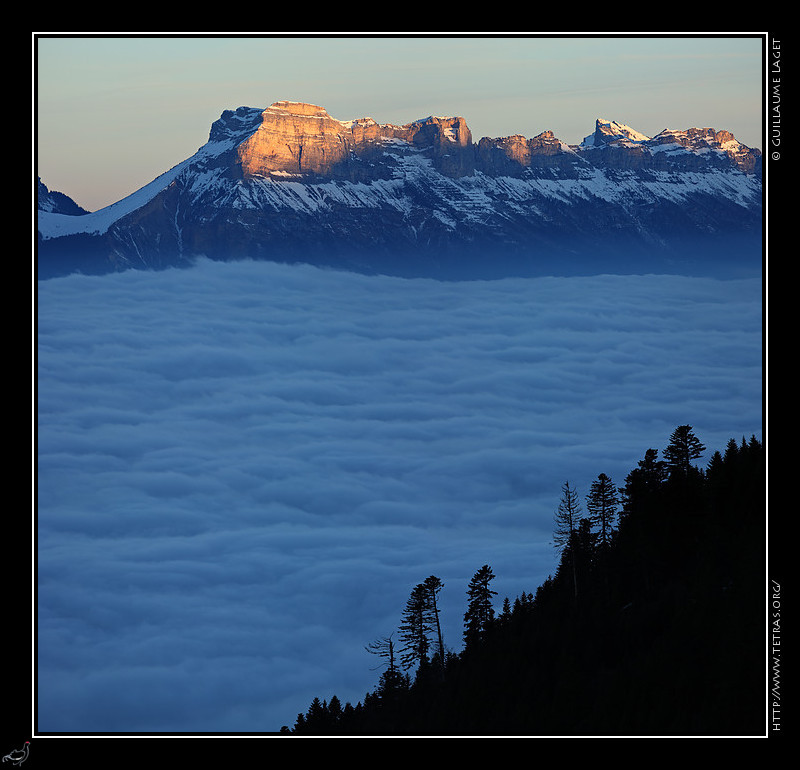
(480, 613)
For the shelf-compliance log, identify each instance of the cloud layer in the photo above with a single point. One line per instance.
(244, 469)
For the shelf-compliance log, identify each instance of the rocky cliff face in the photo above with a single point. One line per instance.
(291, 182)
(618, 146)
(297, 138)
(720, 146)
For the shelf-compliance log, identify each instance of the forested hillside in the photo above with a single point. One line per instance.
(651, 625)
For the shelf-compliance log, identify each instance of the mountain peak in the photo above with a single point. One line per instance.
(56, 202)
(607, 131)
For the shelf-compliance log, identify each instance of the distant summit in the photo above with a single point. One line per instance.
(56, 202)
(719, 146)
(607, 131)
(292, 183)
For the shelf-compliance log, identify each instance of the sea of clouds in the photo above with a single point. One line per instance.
(243, 469)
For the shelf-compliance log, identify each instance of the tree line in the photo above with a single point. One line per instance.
(610, 643)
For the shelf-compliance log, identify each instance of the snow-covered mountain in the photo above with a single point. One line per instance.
(292, 183)
(56, 202)
(608, 131)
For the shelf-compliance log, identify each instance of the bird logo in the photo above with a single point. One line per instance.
(18, 756)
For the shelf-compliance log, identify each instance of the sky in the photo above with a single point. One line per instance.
(112, 113)
(243, 469)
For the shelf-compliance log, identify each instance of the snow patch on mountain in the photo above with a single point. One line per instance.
(477, 196)
(611, 130)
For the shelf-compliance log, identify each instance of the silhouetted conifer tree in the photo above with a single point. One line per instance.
(577, 559)
(641, 510)
(432, 586)
(334, 715)
(505, 614)
(566, 521)
(602, 502)
(416, 627)
(684, 447)
(316, 720)
(480, 612)
(643, 482)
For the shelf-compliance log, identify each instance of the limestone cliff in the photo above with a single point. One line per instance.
(294, 138)
(616, 145)
(297, 139)
(701, 140)
(301, 138)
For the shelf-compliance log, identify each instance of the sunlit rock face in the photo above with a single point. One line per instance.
(514, 155)
(294, 138)
(297, 138)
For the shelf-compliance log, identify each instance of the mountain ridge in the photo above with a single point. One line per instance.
(290, 182)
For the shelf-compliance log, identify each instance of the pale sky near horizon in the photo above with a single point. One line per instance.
(112, 113)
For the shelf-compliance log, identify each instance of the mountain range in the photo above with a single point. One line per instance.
(291, 183)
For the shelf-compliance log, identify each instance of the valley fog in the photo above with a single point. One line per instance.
(243, 469)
